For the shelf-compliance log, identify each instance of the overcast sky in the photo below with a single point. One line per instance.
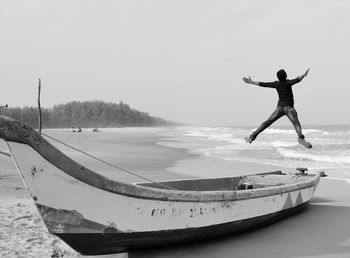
(181, 60)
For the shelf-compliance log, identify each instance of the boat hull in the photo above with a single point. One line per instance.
(97, 244)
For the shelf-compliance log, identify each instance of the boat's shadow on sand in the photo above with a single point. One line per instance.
(321, 230)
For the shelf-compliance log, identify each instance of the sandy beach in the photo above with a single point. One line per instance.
(320, 231)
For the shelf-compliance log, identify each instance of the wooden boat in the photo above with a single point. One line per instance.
(96, 215)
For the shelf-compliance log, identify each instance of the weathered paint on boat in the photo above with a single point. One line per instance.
(96, 215)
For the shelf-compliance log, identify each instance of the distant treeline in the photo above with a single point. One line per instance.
(85, 114)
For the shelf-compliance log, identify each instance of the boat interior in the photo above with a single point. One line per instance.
(263, 180)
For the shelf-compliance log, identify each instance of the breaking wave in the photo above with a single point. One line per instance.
(336, 157)
(291, 131)
(276, 146)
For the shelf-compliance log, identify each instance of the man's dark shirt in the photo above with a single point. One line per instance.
(284, 90)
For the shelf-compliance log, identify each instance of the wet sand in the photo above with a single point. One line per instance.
(322, 230)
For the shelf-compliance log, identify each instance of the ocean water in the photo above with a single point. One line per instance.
(275, 146)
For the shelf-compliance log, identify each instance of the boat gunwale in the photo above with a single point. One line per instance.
(197, 196)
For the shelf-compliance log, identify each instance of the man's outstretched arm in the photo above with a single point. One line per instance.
(299, 78)
(304, 74)
(249, 80)
(262, 84)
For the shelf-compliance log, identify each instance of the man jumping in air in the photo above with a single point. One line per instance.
(285, 105)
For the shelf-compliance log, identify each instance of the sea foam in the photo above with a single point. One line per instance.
(276, 146)
(337, 157)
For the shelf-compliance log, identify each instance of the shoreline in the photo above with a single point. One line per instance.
(203, 166)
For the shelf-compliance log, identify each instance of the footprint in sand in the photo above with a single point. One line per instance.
(55, 241)
(19, 210)
(37, 221)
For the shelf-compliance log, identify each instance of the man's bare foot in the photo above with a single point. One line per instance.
(305, 143)
(248, 139)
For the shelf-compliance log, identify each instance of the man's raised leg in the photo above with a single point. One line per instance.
(278, 113)
(293, 117)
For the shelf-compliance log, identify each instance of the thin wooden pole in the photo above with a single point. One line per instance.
(39, 107)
